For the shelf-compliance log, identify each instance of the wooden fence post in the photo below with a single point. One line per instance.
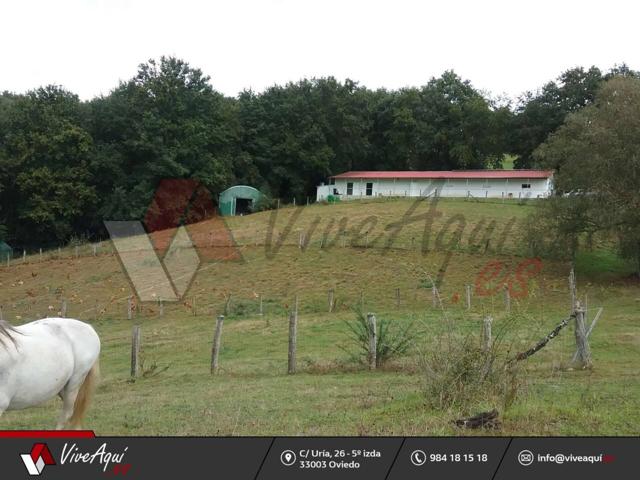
(227, 304)
(24, 256)
(595, 320)
(135, 351)
(591, 327)
(95, 250)
(266, 317)
(397, 298)
(194, 307)
(573, 290)
(293, 337)
(129, 307)
(468, 291)
(77, 254)
(434, 294)
(161, 306)
(586, 306)
(63, 309)
(507, 299)
(486, 333)
(584, 353)
(8, 260)
(215, 349)
(373, 340)
(331, 300)
(40, 254)
(260, 309)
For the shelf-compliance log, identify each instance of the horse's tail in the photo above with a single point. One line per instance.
(84, 395)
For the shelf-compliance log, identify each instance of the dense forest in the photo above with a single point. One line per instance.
(66, 165)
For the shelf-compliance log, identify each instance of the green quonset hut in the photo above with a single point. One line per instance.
(5, 250)
(238, 200)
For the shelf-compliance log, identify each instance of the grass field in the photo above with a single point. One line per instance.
(332, 394)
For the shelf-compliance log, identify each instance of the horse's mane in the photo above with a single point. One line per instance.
(6, 330)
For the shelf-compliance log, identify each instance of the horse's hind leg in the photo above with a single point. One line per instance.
(68, 401)
(4, 404)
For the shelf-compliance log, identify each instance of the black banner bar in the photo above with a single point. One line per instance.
(265, 458)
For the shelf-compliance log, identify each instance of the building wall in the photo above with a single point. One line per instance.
(481, 188)
(323, 191)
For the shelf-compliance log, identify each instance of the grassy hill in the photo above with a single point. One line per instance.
(333, 394)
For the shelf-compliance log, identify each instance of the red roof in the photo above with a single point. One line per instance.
(450, 174)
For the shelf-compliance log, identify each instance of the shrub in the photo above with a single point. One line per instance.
(460, 374)
(265, 202)
(392, 340)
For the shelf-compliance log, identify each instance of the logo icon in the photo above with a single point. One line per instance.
(525, 457)
(418, 458)
(162, 254)
(36, 460)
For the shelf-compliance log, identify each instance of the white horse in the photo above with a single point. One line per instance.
(45, 358)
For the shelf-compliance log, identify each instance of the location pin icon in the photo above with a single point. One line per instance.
(288, 458)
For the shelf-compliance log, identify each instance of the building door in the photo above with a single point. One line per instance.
(243, 206)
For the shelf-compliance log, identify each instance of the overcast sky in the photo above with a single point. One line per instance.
(504, 47)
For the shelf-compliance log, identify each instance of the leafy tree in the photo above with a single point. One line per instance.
(46, 188)
(446, 124)
(166, 122)
(539, 114)
(298, 134)
(596, 155)
(621, 70)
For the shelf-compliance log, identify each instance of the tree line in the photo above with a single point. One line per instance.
(67, 165)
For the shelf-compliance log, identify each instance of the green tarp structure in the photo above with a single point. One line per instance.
(4, 250)
(238, 200)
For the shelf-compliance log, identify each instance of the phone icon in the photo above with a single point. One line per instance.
(418, 458)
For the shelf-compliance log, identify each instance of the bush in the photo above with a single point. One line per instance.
(265, 202)
(392, 340)
(460, 374)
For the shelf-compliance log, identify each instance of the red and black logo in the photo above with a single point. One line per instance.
(39, 457)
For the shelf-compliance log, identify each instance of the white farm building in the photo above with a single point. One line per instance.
(454, 183)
